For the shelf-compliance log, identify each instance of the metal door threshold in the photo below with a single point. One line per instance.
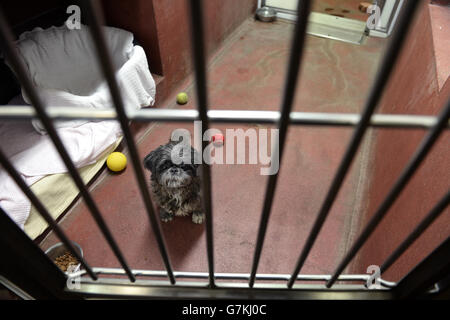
(336, 28)
(328, 26)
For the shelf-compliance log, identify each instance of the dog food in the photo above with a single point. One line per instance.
(65, 261)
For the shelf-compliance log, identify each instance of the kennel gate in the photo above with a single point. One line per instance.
(29, 273)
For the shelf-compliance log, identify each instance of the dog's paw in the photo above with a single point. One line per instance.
(198, 217)
(165, 216)
(168, 219)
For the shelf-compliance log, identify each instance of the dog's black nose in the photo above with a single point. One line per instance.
(173, 170)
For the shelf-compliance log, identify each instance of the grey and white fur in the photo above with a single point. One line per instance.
(176, 187)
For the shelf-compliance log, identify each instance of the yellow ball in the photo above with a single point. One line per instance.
(116, 161)
(182, 98)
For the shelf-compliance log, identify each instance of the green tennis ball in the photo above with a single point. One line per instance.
(182, 98)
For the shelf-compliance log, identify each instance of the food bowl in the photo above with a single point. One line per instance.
(266, 14)
(59, 249)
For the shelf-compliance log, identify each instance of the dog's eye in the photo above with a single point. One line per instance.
(165, 165)
(187, 167)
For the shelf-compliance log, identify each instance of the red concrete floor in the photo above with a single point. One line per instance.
(248, 73)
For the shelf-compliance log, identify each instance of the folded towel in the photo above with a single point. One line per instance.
(34, 156)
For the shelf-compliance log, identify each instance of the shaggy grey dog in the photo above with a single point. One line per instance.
(176, 187)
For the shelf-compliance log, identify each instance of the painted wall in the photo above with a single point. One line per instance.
(413, 89)
(18, 11)
(162, 27)
(139, 18)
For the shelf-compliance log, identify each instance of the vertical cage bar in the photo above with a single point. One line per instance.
(402, 181)
(434, 268)
(43, 211)
(382, 79)
(296, 53)
(24, 264)
(435, 213)
(96, 20)
(8, 45)
(198, 52)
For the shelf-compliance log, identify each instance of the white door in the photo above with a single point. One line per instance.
(283, 4)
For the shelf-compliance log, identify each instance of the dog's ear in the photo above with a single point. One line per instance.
(150, 161)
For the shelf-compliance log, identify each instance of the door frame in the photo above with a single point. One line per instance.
(390, 10)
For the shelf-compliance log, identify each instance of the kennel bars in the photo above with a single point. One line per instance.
(430, 271)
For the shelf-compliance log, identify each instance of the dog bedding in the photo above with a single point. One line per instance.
(35, 157)
(58, 191)
(62, 66)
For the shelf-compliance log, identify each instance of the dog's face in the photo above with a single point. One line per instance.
(166, 172)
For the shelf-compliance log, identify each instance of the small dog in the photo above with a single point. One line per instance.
(176, 188)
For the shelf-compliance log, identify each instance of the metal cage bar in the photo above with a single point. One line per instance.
(43, 212)
(383, 121)
(296, 53)
(374, 97)
(33, 272)
(435, 213)
(7, 42)
(198, 51)
(426, 274)
(15, 289)
(237, 276)
(406, 175)
(96, 19)
(194, 290)
(437, 261)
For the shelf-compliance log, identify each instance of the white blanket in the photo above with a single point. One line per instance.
(64, 67)
(56, 59)
(34, 156)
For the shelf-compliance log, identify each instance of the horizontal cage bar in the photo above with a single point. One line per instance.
(363, 278)
(226, 116)
(114, 288)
